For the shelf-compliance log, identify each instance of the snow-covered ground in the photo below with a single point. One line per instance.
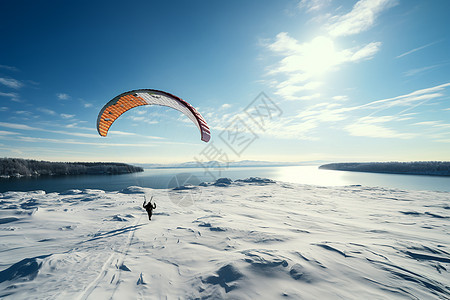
(244, 240)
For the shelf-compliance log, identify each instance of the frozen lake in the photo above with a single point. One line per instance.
(166, 178)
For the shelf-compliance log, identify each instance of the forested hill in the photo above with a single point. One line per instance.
(439, 168)
(16, 167)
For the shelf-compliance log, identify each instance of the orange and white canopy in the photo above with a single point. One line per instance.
(126, 101)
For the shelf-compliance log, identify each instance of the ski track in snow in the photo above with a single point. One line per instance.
(244, 240)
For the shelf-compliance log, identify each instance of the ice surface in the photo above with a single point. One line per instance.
(248, 239)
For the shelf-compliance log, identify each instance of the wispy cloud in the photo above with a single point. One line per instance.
(46, 111)
(374, 127)
(9, 68)
(4, 108)
(23, 113)
(416, 71)
(340, 98)
(144, 119)
(363, 53)
(30, 128)
(410, 99)
(313, 5)
(417, 49)
(310, 97)
(67, 116)
(377, 126)
(292, 125)
(2, 132)
(10, 82)
(302, 63)
(13, 96)
(225, 106)
(360, 18)
(85, 103)
(97, 144)
(124, 133)
(348, 118)
(74, 142)
(17, 126)
(62, 96)
(305, 123)
(428, 123)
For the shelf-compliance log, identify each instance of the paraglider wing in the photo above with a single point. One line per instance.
(126, 101)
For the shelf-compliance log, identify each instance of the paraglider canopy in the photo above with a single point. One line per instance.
(126, 101)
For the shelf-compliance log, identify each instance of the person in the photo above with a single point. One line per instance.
(149, 207)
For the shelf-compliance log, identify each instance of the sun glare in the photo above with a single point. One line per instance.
(319, 56)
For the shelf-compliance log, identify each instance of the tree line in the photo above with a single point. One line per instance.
(10, 167)
(441, 168)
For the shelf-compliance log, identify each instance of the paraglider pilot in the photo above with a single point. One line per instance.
(149, 207)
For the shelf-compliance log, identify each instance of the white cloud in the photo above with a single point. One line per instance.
(67, 116)
(12, 83)
(24, 113)
(17, 126)
(427, 123)
(73, 125)
(366, 52)
(323, 112)
(121, 133)
(340, 98)
(372, 127)
(290, 91)
(376, 131)
(373, 120)
(124, 133)
(144, 119)
(412, 98)
(105, 144)
(62, 96)
(87, 105)
(4, 108)
(9, 68)
(440, 125)
(313, 5)
(310, 97)
(46, 111)
(225, 106)
(2, 132)
(285, 44)
(303, 64)
(360, 18)
(26, 127)
(13, 96)
(302, 124)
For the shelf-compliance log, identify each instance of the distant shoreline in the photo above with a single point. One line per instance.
(430, 168)
(19, 168)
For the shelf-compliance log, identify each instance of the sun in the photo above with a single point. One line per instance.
(319, 56)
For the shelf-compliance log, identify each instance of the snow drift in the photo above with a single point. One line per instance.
(247, 239)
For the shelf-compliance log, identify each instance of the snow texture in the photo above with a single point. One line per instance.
(248, 239)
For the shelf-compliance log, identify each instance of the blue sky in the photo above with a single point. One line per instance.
(346, 80)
